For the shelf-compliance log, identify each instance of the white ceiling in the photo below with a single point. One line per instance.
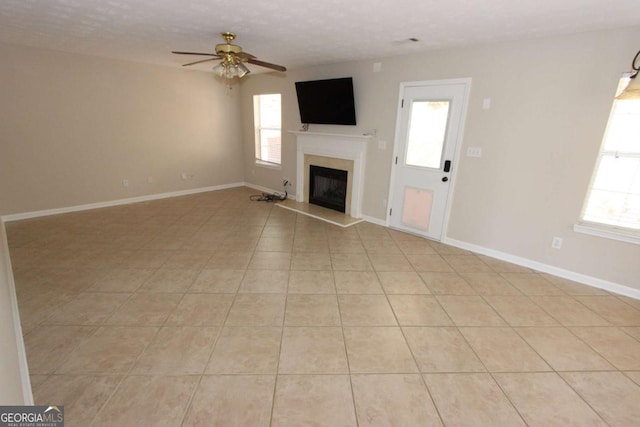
(296, 33)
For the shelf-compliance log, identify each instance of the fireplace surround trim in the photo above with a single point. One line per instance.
(338, 146)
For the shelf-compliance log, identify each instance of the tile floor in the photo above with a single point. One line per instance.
(213, 310)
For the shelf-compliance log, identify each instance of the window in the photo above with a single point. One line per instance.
(267, 123)
(427, 131)
(613, 197)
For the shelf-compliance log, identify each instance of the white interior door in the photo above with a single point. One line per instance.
(429, 128)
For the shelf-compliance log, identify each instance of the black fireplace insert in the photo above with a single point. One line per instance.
(328, 187)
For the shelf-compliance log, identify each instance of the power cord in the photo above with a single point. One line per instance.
(275, 197)
(266, 197)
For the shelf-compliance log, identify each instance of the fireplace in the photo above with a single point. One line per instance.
(333, 151)
(328, 187)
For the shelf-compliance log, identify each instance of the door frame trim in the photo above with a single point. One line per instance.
(458, 144)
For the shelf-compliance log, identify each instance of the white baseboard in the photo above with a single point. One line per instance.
(129, 200)
(373, 220)
(546, 268)
(89, 206)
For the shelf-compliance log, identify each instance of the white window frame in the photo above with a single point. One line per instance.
(609, 231)
(258, 128)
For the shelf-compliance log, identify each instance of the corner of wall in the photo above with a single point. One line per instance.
(16, 385)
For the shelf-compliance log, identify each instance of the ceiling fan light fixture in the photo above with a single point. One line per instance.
(230, 71)
(219, 69)
(230, 67)
(242, 70)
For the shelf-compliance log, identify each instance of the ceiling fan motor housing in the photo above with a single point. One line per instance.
(221, 49)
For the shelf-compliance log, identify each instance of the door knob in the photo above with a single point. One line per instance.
(445, 179)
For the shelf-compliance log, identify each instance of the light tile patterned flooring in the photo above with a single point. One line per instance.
(214, 310)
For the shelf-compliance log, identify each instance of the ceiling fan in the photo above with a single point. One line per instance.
(233, 59)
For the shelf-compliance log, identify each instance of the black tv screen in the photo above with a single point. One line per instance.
(327, 102)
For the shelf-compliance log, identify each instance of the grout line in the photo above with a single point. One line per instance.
(346, 352)
(284, 315)
(582, 397)
(187, 407)
(509, 399)
(415, 360)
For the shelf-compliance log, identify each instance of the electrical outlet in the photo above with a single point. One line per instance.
(125, 182)
(474, 152)
(556, 243)
(150, 179)
(184, 175)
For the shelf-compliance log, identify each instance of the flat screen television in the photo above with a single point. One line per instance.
(327, 102)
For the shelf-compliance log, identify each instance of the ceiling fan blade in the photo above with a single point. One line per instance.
(197, 62)
(195, 53)
(266, 64)
(245, 55)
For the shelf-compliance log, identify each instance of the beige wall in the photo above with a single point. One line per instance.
(12, 361)
(72, 127)
(550, 103)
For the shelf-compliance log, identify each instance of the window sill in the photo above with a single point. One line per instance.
(268, 165)
(608, 232)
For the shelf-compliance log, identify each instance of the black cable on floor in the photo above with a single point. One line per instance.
(266, 197)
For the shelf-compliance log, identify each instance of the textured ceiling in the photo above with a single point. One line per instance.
(296, 33)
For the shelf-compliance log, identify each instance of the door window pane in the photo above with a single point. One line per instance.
(427, 129)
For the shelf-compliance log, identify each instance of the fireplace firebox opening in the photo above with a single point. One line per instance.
(328, 187)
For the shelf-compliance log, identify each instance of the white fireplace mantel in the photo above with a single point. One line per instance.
(339, 146)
